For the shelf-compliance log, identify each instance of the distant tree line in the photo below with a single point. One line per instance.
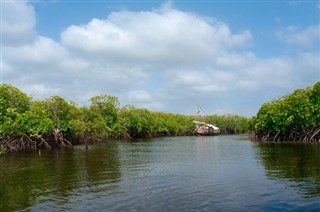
(54, 122)
(229, 123)
(294, 117)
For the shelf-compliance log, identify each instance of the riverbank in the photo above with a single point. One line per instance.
(32, 124)
(26, 124)
(294, 117)
(310, 136)
(26, 143)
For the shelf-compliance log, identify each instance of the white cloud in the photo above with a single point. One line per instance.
(163, 59)
(18, 22)
(303, 38)
(200, 81)
(41, 50)
(163, 36)
(306, 67)
(139, 96)
(41, 89)
(143, 99)
(235, 60)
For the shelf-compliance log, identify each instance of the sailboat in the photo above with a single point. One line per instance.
(203, 128)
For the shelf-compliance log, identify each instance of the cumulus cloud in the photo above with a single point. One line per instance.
(162, 59)
(41, 50)
(18, 22)
(161, 36)
(143, 99)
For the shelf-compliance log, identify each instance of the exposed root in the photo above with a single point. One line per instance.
(294, 136)
(27, 142)
(316, 133)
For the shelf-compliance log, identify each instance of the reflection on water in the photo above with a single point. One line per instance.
(227, 173)
(298, 162)
(48, 176)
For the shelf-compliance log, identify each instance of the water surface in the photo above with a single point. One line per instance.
(225, 173)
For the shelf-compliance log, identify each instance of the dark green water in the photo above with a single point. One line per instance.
(221, 173)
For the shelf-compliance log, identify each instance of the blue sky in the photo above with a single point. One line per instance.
(228, 56)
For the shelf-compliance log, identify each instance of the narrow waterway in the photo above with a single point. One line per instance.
(219, 173)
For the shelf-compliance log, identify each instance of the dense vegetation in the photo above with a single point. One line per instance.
(295, 117)
(53, 122)
(229, 123)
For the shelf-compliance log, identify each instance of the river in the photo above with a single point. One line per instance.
(219, 173)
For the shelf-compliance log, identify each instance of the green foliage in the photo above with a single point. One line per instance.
(79, 127)
(58, 110)
(32, 124)
(229, 123)
(12, 97)
(13, 103)
(297, 113)
(140, 122)
(37, 121)
(179, 124)
(107, 107)
(136, 121)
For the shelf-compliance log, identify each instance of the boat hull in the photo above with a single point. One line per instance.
(204, 129)
(207, 134)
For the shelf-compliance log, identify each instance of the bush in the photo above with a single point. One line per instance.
(294, 117)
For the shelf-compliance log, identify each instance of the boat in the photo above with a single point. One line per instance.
(202, 128)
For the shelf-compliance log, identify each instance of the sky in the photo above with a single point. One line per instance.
(228, 56)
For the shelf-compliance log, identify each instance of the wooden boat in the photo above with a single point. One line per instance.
(203, 128)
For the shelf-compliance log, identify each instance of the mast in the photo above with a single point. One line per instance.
(198, 111)
(203, 128)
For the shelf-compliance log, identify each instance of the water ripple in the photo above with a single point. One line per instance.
(164, 174)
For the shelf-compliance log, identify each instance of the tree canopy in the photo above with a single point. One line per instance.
(52, 122)
(294, 117)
